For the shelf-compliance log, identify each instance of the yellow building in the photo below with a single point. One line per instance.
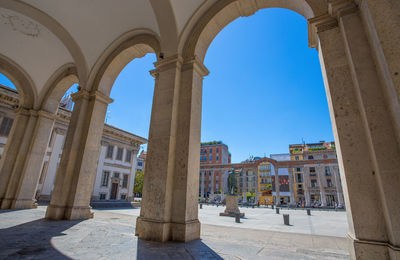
(265, 173)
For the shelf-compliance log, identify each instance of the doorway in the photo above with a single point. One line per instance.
(114, 191)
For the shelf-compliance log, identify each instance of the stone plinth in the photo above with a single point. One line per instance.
(232, 207)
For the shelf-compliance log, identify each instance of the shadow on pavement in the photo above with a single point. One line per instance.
(192, 250)
(32, 240)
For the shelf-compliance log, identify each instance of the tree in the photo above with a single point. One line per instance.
(138, 188)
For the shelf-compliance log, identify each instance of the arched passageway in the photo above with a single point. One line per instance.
(359, 54)
(361, 116)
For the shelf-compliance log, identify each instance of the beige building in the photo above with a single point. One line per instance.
(116, 165)
(45, 48)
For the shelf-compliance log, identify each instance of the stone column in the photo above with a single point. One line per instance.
(212, 182)
(292, 199)
(321, 184)
(133, 172)
(26, 119)
(338, 185)
(202, 182)
(11, 151)
(26, 177)
(367, 148)
(169, 207)
(306, 185)
(76, 173)
(277, 192)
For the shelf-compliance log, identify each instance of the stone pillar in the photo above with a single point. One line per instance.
(21, 191)
(169, 207)
(338, 186)
(133, 172)
(76, 173)
(292, 199)
(212, 182)
(306, 185)
(277, 192)
(11, 150)
(321, 184)
(202, 182)
(15, 154)
(367, 148)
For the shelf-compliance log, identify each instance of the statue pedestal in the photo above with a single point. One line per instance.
(232, 207)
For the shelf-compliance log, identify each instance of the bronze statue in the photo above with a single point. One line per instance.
(232, 183)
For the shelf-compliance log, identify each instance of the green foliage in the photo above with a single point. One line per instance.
(212, 142)
(138, 188)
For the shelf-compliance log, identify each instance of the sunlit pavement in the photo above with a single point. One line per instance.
(110, 235)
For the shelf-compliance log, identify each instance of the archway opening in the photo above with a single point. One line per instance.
(266, 121)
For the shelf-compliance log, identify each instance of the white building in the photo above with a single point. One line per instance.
(117, 162)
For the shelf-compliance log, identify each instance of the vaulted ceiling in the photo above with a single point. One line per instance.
(41, 36)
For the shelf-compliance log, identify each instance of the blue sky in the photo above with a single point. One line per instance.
(264, 92)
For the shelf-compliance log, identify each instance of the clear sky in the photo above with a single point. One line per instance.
(264, 92)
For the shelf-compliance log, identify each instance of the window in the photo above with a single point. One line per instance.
(210, 159)
(110, 151)
(104, 180)
(210, 150)
(312, 169)
(314, 183)
(125, 181)
(310, 157)
(297, 158)
(140, 164)
(123, 196)
(327, 171)
(217, 150)
(120, 151)
(102, 196)
(217, 158)
(116, 174)
(329, 183)
(298, 170)
(5, 126)
(128, 156)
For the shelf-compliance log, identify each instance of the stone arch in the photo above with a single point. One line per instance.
(56, 86)
(131, 45)
(22, 81)
(207, 27)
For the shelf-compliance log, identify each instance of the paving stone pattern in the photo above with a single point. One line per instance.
(24, 234)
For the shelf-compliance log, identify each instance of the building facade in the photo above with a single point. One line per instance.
(213, 181)
(116, 165)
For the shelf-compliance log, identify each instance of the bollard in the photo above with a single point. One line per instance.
(237, 218)
(309, 212)
(272, 206)
(201, 205)
(277, 210)
(286, 219)
(253, 206)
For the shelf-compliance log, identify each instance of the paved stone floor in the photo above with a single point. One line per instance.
(110, 235)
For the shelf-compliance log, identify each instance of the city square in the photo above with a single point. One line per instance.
(111, 234)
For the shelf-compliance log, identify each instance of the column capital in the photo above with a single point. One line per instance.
(46, 114)
(98, 96)
(340, 8)
(319, 24)
(79, 95)
(22, 111)
(168, 63)
(60, 131)
(195, 64)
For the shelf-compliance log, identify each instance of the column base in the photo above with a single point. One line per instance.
(18, 204)
(55, 212)
(367, 249)
(154, 230)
